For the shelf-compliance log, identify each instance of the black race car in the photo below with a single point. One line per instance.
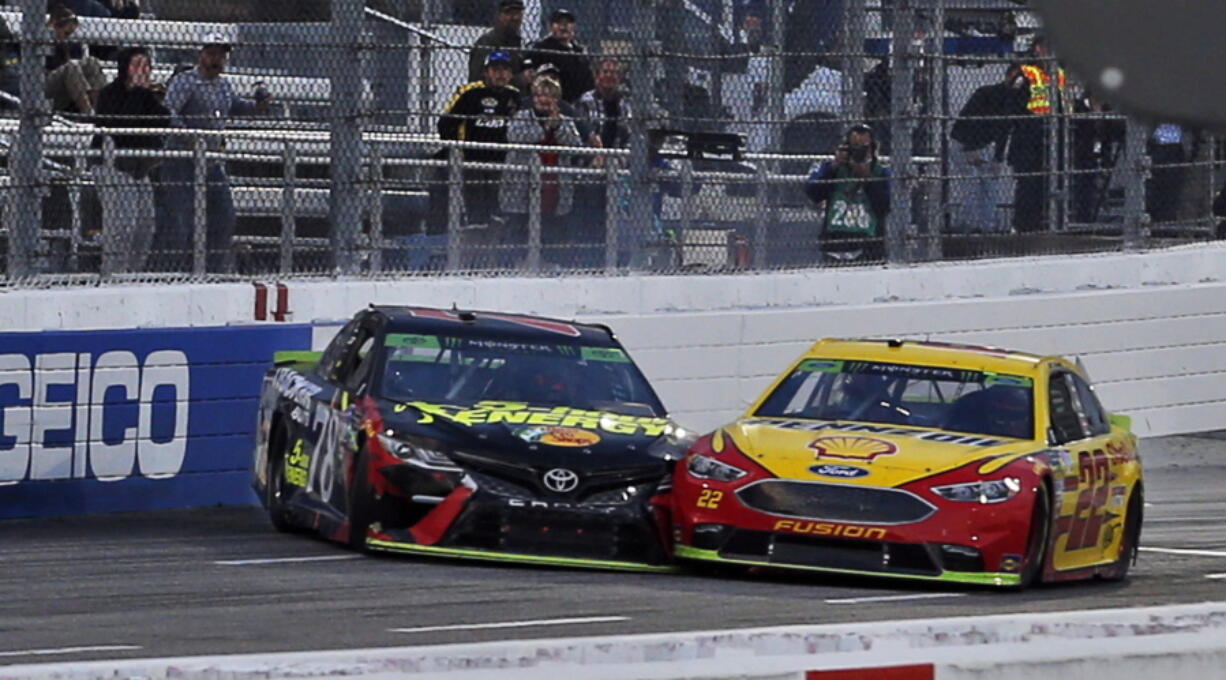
(470, 434)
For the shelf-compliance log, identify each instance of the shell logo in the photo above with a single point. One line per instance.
(863, 449)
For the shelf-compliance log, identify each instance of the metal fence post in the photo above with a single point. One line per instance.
(348, 67)
(534, 212)
(455, 206)
(200, 203)
(774, 77)
(1137, 164)
(27, 188)
(855, 30)
(289, 208)
(641, 86)
(612, 215)
(375, 193)
(898, 225)
(760, 216)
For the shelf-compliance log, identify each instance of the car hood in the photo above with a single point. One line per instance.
(520, 434)
(867, 454)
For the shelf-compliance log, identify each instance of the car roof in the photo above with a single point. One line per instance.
(485, 324)
(930, 353)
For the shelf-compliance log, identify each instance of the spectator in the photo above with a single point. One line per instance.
(1097, 142)
(504, 36)
(202, 99)
(1035, 101)
(123, 9)
(104, 9)
(855, 190)
(980, 136)
(480, 112)
(1162, 188)
(125, 189)
(605, 107)
(87, 8)
(606, 111)
(568, 109)
(745, 91)
(561, 51)
(10, 59)
(545, 125)
(73, 77)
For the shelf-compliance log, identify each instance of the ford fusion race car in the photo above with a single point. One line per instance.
(470, 434)
(922, 461)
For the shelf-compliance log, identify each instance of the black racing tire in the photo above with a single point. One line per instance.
(276, 492)
(1132, 537)
(1038, 536)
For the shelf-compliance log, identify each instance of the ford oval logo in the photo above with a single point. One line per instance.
(838, 471)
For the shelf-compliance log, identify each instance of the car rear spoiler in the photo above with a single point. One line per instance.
(1120, 421)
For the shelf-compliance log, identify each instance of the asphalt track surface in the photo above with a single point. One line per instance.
(215, 581)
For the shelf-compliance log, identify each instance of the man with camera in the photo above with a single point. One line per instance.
(855, 190)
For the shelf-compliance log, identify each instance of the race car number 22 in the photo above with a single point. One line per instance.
(710, 498)
(1095, 473)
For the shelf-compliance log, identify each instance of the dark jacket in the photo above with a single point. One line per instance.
(120, 106)
(479, 113)
(572, 63)
(980, 121)
(495, 40)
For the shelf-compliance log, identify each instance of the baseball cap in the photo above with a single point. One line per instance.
(498, 57)
(215, 39)
(510, 4)
(562, 15)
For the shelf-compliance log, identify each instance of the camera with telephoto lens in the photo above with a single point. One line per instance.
(858, 154)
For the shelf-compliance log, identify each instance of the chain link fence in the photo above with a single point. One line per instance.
(179, 140)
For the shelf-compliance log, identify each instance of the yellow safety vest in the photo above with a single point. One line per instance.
(1040, 88)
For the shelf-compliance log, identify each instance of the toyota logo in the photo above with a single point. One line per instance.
(560, 480)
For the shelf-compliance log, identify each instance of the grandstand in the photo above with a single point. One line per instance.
(666, 215)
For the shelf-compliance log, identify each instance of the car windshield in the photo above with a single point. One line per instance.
(466, 370)
(941, 397)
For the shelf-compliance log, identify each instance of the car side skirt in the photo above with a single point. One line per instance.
(461, 553)
(999, 579)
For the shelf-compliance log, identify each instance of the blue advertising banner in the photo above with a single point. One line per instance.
(104, 421)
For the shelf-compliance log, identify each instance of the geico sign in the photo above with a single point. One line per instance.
(66, 415)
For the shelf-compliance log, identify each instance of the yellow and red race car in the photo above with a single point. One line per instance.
(918, 460)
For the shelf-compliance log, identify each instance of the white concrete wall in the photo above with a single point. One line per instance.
(1150, 327)
(1183, 641)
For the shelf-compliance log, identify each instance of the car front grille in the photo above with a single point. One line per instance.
(835, 502)
(830, 553)
(619, 533)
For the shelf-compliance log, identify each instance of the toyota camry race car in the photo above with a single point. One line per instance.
(922, 461)
(470, 434)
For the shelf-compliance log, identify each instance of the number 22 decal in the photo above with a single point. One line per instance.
(710, 498)
(1087, 520)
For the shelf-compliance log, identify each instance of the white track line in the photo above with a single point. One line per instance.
(511, 624)
(892, 598)
(70, 650)
(1216, 576)
(278, 560)
(1185, 551)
